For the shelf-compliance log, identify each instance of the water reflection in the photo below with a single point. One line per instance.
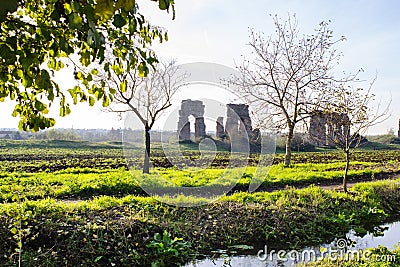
(390, 237)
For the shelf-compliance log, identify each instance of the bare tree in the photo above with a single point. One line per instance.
(147, 97)
(349, 114)
(284, 79)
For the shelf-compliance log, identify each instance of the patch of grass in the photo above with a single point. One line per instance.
(109, 230)
(115, 222)
(88, 182)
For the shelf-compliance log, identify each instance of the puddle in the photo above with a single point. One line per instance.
(390, 237)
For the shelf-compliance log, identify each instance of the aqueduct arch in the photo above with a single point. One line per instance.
(193, 108)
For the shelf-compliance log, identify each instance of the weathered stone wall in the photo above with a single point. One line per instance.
(318, 128)
(238, 123)
(238, 119)
(193, 108)
(220, 130)
(398, 134)
(199, 127)
(326, 128)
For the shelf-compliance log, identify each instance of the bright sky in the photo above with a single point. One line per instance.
(216, 31)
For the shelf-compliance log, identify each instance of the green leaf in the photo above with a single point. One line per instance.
(7, 6)
(40, 106)
(27, 81)
(7, 53)
(74, 93)
(91, 101)
(104, 9)
(112, 91)
(123, 85)
(68, 9)
(106, 101)
(80, 75)
(43, 81)
(62, 28)
(163, 4)
(75, 6)
(75, 21)
(85, 58)
(127, 5)
(143, 70)
(20, 73)
(55, 15)
(64, 111)
(119, 21)
(132, 26)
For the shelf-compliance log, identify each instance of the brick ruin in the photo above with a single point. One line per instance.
(238, 122)
(325, 128)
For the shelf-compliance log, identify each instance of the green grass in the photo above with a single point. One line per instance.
(111, 229)
(75, 204)
(87, 182)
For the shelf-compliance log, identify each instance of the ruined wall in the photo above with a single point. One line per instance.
(398, 134)
(326, 128)
(238, 119)
(238, 123)
(220, 130)
(191, 108)
(318, 128)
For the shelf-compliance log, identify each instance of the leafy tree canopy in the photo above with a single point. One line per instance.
(41, 37)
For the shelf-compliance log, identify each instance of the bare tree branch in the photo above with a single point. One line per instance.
(288, 75)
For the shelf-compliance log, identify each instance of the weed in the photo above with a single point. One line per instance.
(169, 251)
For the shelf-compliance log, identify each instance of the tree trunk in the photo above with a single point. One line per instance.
(146, 165)
(346, 171)
(289, 139)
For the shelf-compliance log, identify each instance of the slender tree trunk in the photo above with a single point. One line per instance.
(289, 139)
(146, 165)
(346, 171)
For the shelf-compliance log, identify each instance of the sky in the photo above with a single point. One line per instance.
(217, 31)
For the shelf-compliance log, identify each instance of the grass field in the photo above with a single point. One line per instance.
(78, 204)
(88, 182)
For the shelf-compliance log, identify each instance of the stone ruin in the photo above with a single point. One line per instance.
(238, 122)
(398, 133)
(397, 139)
(325, 128)
(220, 130)
(191, 108)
